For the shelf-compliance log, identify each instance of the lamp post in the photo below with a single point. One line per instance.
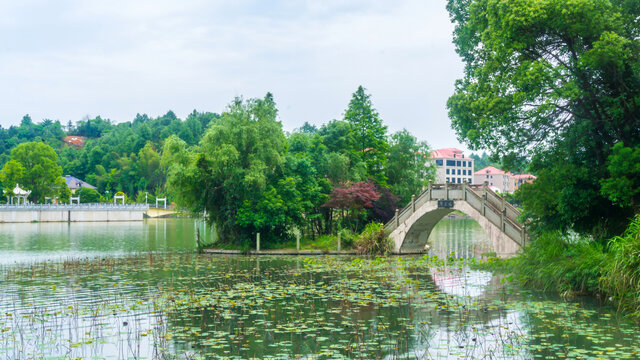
(107, 192)
(145, 198)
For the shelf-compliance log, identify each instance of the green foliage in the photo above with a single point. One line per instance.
(40, 172)
(373, 241)
(482, 161)
(367, 134)
(555, 262)
(88, 195)
(239, 167)
(145, 197)
(558, 81)
(408, 169)
(125, 156)
(49, 132)
(237, 174)
(622, 186)
(62, 191)
(148, 167)
(11, 175)
(622, 273)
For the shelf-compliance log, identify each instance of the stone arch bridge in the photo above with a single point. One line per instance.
(410, 227)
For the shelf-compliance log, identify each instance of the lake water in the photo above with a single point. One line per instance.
(137, 290)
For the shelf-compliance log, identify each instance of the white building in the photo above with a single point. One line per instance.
(498, 180)
(452, 166)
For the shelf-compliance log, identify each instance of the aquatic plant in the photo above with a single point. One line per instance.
(553, 262)
(188, 306)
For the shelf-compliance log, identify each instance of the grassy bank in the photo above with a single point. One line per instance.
(372, 241)
(570, 265)
(323, 243)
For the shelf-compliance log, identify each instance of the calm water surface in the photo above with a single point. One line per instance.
(136, 291)
(32, 242)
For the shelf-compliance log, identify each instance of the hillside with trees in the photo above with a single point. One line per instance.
(238, 166)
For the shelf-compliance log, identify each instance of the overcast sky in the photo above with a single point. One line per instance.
(63, 59)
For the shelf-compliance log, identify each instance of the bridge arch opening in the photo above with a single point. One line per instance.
(460, 235)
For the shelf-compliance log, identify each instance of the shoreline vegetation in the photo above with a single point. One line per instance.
(555, 89)
(372, 241)
(578, 266)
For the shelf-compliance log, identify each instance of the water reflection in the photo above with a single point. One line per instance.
(462, 237)
(27, 242)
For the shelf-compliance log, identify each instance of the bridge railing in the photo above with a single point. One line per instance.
(65, 207)
(491, 205)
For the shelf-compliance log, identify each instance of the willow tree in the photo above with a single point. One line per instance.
(558, 83)
(237, 174)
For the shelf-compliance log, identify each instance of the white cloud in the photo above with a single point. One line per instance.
(119, 58)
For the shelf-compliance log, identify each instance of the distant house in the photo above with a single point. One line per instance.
(74, 183)
(452, 166)
(75, 141)
(495, 178)
(523, 178)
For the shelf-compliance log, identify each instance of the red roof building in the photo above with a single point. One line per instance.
(522, 179)
(498, 179)
(503, 181)
(75, 141)
(452, 166)
(447, 153)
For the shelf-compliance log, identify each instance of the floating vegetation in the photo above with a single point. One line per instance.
(188, 306)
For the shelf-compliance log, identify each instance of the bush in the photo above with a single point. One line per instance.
(555, 262)
(347, 238)
(88, 195)
(561, 263)
(373, 240)
(622, 277)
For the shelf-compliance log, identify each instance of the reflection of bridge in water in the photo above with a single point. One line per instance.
(463, 238)
(411, 227)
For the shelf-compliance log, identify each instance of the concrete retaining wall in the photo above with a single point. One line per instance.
(69, 215)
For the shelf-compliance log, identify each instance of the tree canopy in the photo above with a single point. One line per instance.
(557, 84)
(367, 135)
(33, 166)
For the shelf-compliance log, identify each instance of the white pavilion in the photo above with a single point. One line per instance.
(19, 196)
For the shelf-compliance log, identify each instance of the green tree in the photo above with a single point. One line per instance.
(237, 174)
(367, 134)
(88, 195)
(623, 184)
(482, 161)
(558, 81)
(62, 191)
(149, 166)
(41, 171)
(11, 175)
(408, 169)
